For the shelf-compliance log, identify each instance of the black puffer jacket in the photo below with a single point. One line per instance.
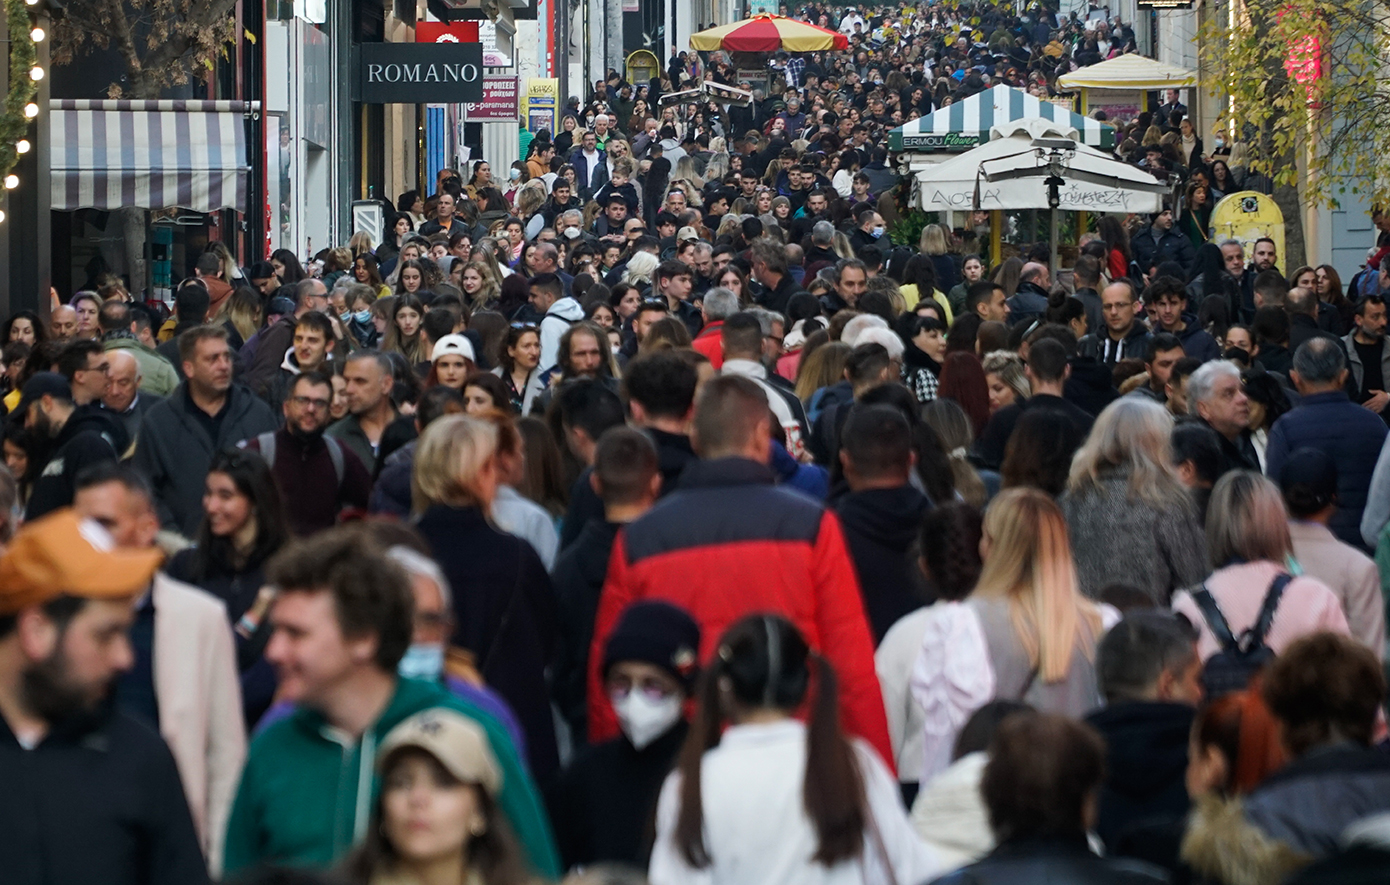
(1146, 765)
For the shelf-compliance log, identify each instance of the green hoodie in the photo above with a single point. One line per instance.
(308, 789)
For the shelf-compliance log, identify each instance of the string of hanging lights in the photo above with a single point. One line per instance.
(25, 74)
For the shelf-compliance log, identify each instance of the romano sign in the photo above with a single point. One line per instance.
(419, 73)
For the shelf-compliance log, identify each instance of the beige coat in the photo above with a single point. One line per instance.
(199, 695)
(1349, 573)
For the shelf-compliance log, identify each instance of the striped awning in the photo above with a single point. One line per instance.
(967, 123)
(149, 154)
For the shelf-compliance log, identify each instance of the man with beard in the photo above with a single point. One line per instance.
(80, 440)
(91, 795)
(318, 476)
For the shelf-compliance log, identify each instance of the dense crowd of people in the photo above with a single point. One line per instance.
(647, 514)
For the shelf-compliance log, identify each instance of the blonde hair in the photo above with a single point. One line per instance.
(1131, 436)
(451, 453)
(532, 195)
(360, 242)
(1030, 564)
(640, 267)
(1008, 367)
(933, 240)
(1247, 520)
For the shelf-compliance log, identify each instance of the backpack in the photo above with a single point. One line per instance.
(1233, 667)
(266, 441)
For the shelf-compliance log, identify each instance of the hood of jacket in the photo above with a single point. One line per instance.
(92, 417)
(1221, 845)
(889, 517)
(1091, 373)
(566, 309)
(1145, 742)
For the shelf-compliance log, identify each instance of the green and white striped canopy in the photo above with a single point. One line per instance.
(966, 123)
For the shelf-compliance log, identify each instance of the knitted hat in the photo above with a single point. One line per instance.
(660, 634)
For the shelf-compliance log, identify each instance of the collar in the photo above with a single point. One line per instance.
(746, 368)
(723, 472)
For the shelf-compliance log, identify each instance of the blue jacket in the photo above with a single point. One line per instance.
(1351, 434)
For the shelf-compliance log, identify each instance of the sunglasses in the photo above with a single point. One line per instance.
(523, 325)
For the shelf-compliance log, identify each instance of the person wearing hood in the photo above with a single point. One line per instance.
(1029, 303)
(1149, 672)
(1124, 336)
(602, 804)
(881, 512)
(1165, 299)
(559, 312)
(80, 441)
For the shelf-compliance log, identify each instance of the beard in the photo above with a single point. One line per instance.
(50, 692)
(298, 432)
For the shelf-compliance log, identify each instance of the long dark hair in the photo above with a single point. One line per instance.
(1112, 231)
(764, 662)
(495, 853)
(40, 331)
(294, 271)
(251, 475)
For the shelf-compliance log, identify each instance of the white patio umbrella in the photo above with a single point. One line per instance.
(1038, 164)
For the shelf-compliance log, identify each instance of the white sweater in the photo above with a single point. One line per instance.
(756, 828)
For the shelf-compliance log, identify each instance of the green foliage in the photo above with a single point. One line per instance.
(907, 230)
(13, 124)
(1305, 78)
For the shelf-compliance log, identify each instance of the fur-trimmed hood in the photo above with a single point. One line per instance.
(1224, 848)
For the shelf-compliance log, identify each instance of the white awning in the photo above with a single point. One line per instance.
(149, 154)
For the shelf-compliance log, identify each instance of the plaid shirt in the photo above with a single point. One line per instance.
(796, 72)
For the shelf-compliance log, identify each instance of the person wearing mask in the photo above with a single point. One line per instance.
(1123, 494)
(319, 476)
(1327, 420)
(725, 565)
(1123, 335)
(1047, 371)
(602, 803)
(626, 479)
(183, 682)
(243, 526)
(507, 619)
(91, 794)
(206, 414)
(437, 816)
(1308, 480)
(1040, 787)
(77, 440)
(125, 400)
(881, 512)
(770, 798)
(1249, 546)
(369, 380)
(342, 618)
(1215, 396)
(1150, 675)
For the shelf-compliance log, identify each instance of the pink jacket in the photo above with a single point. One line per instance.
(1307, 606)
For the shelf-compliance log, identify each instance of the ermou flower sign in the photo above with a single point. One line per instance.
(419, 73)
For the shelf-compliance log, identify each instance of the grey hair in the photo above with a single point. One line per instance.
(418, 565)
(856, 327)
(1131, 436)
(822, 233)
(1202, 382)
(766, 318)
(720, 304)
(1319, 360)
(383, 362)
(1247, 520)
(572, 213)
(1231, 241)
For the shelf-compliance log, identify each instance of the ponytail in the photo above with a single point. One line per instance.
(834, 787)
(704, 734)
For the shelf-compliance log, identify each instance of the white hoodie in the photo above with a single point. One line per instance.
(561, 315)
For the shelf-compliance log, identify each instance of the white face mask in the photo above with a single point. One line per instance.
(571, 232)
(644, 719)
(422, 660)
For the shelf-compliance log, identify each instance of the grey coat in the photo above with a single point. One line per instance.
(1117, 540)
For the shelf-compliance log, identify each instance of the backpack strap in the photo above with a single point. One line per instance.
(266, 443)
(1255, 636)
(335, 454)
(1215, 620)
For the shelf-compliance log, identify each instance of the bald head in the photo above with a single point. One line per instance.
(1033, 272)
(1301, 301)
(125, 380)
(63, 322)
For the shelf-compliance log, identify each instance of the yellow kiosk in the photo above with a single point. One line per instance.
(643, 67)
(1246, 216)
(1123, 83)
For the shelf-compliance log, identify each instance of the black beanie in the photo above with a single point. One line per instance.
(660, 634)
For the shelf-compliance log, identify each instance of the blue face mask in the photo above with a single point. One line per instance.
(363, 316)
(423, 660)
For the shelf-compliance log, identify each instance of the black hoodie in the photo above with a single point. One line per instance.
(880, 526)
(88, 438)
(1146, 764)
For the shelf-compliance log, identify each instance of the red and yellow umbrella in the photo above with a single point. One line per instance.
(768, 33)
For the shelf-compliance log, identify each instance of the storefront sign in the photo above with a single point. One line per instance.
(493, 55)
(541, 102)
(419, 73)
(499, 102)
(943, 141)
(1165, 4)
(446, 32)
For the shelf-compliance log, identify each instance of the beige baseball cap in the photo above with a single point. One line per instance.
(459, 743)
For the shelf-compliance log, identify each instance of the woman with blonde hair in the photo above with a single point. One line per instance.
(1007, 382)
(819, 370)
(1249, 546)
(481, 283)
(640, 268)
(1123, 495)
(1040, 631)
(530, 200)
(454, 485)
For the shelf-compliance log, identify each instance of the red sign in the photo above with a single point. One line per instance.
(446, 32)
(500, 101)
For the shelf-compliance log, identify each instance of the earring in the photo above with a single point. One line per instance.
(478, 828)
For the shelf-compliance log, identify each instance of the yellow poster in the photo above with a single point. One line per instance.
(1246, 216)
(540, 104)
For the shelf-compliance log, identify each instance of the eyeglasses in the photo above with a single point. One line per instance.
(307, 402)
(523, 325)
(657, 302)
